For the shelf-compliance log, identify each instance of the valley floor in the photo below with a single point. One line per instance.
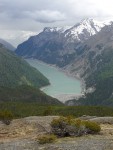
(22, 134)
(65, 97)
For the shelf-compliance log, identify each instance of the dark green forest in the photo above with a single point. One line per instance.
(26, 93)
(25, 109)
(15, 71)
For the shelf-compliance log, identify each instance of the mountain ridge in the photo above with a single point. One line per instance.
(54, 46)
(7, 45)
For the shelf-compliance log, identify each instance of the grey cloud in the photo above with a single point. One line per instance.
(40, 10)
(48, 11)
(46, 16)
(33, 15)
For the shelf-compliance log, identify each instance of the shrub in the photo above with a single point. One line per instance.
(66, 126)
(59, 122)
(62, 120)
(59, 126)
(92, 127)
(73, 127)
(47, 139)
(6, 117)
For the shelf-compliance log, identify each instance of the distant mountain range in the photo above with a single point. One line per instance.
(59, 45)
(7, 45)
(85, 50)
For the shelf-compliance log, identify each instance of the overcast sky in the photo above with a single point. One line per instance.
(21, 18)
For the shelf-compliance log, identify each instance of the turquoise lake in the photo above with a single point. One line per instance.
(60, 82)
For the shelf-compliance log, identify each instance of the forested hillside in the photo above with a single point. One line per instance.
(25, 94)
(15, 71)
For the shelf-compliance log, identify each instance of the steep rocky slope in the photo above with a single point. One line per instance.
(91, 51)
(95, 65)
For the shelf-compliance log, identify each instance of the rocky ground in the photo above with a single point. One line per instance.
(22, 134)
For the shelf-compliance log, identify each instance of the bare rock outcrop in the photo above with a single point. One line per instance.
(22, 134)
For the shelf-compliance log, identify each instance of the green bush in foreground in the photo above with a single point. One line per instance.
(6, 117)
(92, 127)
(64, 126)
(47, 139)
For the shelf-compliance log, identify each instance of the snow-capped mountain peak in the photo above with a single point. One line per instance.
(56, 29)
(51, 29)
(81, 31)
(84, 29)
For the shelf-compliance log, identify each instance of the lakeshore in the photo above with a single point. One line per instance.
(63, 85)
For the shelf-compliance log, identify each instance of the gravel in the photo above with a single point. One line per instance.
(84, 143)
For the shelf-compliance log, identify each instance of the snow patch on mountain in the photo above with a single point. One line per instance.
(87, 27)
(81, 31)
(56, 29)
